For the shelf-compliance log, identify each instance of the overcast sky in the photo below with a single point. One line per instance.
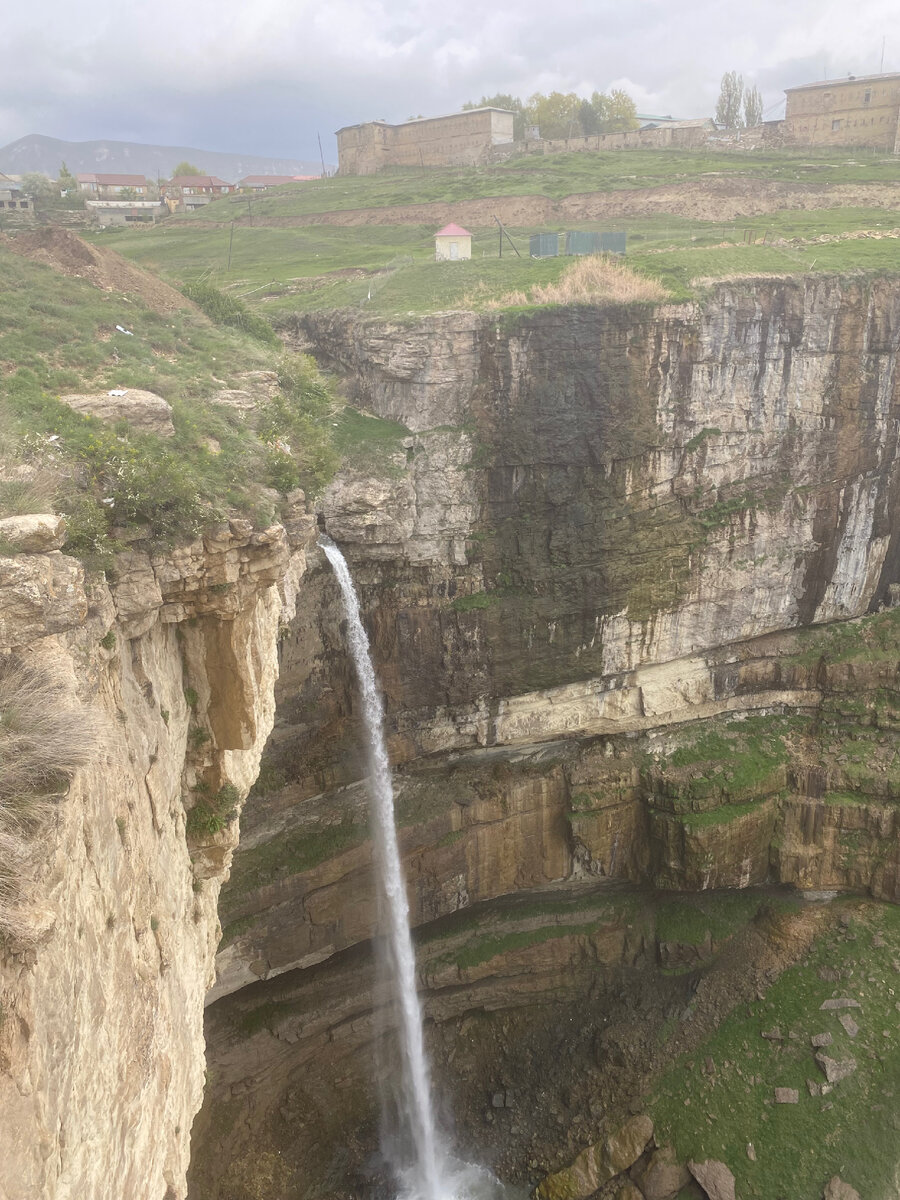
(263, 76)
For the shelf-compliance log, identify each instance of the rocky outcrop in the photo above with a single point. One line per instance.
(101, 1042)
(35, 534)
(144, 411)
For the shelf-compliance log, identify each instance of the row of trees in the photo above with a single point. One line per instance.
(738, 106)
(564, 115)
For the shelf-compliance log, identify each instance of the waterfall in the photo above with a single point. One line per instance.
(434, 1174)
(416, 1089)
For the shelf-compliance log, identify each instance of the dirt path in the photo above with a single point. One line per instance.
(701, 199)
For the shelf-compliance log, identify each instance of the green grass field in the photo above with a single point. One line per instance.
(390, 269)
(554, 176)
(852, 1131)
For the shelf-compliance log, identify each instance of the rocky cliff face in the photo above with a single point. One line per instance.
(172, 667)
(586, 492)
(602, 576)
(588, 570)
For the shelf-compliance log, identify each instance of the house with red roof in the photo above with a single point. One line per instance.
(106, 186)
(452, 244)
(193, 191)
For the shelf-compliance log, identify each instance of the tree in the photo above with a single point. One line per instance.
(39, 186)
(621, 113)
(66, 180)
(185, 168)
(556, 114)
(753, 107)
(588, 119)
(728, 106)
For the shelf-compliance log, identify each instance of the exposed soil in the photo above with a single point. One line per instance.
(69, 254)
(704, 200)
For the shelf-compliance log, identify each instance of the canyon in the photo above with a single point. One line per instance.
(629, 575)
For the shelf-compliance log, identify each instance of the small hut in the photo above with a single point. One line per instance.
(452, 244)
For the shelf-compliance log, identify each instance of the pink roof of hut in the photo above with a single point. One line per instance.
(452, 230)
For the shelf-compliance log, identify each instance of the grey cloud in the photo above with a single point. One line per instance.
(269, 75)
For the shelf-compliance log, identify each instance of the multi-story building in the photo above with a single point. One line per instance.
(461, 139)
(861, 110)
(101, 186)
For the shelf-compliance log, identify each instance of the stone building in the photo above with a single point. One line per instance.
(858, 111)
(461, 139)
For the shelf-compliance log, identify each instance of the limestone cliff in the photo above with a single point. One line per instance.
(173, 666)
(623, 580)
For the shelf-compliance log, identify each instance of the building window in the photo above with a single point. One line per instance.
(835, 125)
(867, 97)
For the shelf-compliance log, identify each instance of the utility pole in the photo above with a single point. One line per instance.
(508, 238)
(881, 68)
(230, 240)
(321, 154)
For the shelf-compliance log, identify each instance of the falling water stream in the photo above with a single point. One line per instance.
(434, 1175)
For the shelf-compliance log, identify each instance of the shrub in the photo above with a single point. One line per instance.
(210, 815)
(229, 310)
(593, 279)
(44, 739)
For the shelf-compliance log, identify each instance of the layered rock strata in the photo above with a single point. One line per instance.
(172, 665)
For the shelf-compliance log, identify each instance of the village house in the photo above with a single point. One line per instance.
(12, 196)
(101, 186)
(261, 183)
(461, 139)
(860, 110)
(452, 244)
(193, 191)
(125, 212)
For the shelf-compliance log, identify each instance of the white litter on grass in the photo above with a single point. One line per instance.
(118, 392)
(121, 330)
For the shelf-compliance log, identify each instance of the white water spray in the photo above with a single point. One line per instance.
(428, 1169)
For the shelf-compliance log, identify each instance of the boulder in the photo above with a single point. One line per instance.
(144, 411)
(40, 594)
(835, 1069)
(836, 1189)
(626, 1145)
(715, 1179)
(33, 534)
(787, 1096)
(665, 1176)
(850, 1026)
(629, 1192)
(838, 1002)
(598, 1163)
(821, 1039)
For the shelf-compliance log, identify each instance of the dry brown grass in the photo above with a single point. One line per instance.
(593, 279)
(44, 739)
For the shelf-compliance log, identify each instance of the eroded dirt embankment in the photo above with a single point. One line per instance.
(699, 199)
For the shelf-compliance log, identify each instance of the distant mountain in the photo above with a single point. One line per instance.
(38, 153)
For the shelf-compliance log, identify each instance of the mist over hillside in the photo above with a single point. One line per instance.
(36, 152)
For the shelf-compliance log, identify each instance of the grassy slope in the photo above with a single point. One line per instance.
(853, 1130)
(58, 335)
(389, 269)
(555, 176)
